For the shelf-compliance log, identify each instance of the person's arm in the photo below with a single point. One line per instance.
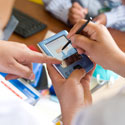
(113, 19)
(73, 93)
(5, 12)
(17, 59)
(100, 46)
(119, 37)
(59, 8)
(116, 18)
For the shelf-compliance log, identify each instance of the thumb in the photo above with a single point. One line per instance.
(77, 75)
(89, 29)
(11, 76)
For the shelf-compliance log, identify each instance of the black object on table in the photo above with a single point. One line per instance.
(27, 25)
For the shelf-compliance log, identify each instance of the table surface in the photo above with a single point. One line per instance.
(39, 12)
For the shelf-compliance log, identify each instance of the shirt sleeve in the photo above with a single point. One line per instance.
(107, 112)
(59, 8)
(116, 18)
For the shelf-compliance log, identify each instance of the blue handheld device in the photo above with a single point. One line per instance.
(71, 60)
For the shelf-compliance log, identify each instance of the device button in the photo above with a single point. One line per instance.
(77, 67)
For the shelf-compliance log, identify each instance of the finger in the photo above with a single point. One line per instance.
(89, 74)
(54, 75)
(80, 51)
(57, 79)
(75, 18)
(86, 86)
(76, 12)
(77, 75)
(90, 28)
(11, 76)
(77, 5)
(82, 42)
(75, 28)
(37, 57)
(87, 93)
(96, 20)
(22, 70)
(85, 11)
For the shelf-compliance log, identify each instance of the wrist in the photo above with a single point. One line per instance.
(69, 114)
(69, 110)
(118, 63)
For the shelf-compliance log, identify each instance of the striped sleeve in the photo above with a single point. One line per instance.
(116, 18)
(59, 8)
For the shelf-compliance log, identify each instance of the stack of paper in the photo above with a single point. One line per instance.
(18, 89)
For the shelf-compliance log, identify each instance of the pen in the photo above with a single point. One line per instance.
(78, 32)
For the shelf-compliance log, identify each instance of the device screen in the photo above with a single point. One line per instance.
(55, 48)
(70, 60)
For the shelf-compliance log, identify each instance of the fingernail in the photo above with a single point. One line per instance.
(32, 77)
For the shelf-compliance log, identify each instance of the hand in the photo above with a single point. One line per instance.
(16, 60)
(101, 19)
(73, 93)
(76, 13)
(99, 45)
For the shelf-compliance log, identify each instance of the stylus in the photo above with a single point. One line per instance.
(78, 32)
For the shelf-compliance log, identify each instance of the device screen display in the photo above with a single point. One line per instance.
(70, 60)
(55, 48)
